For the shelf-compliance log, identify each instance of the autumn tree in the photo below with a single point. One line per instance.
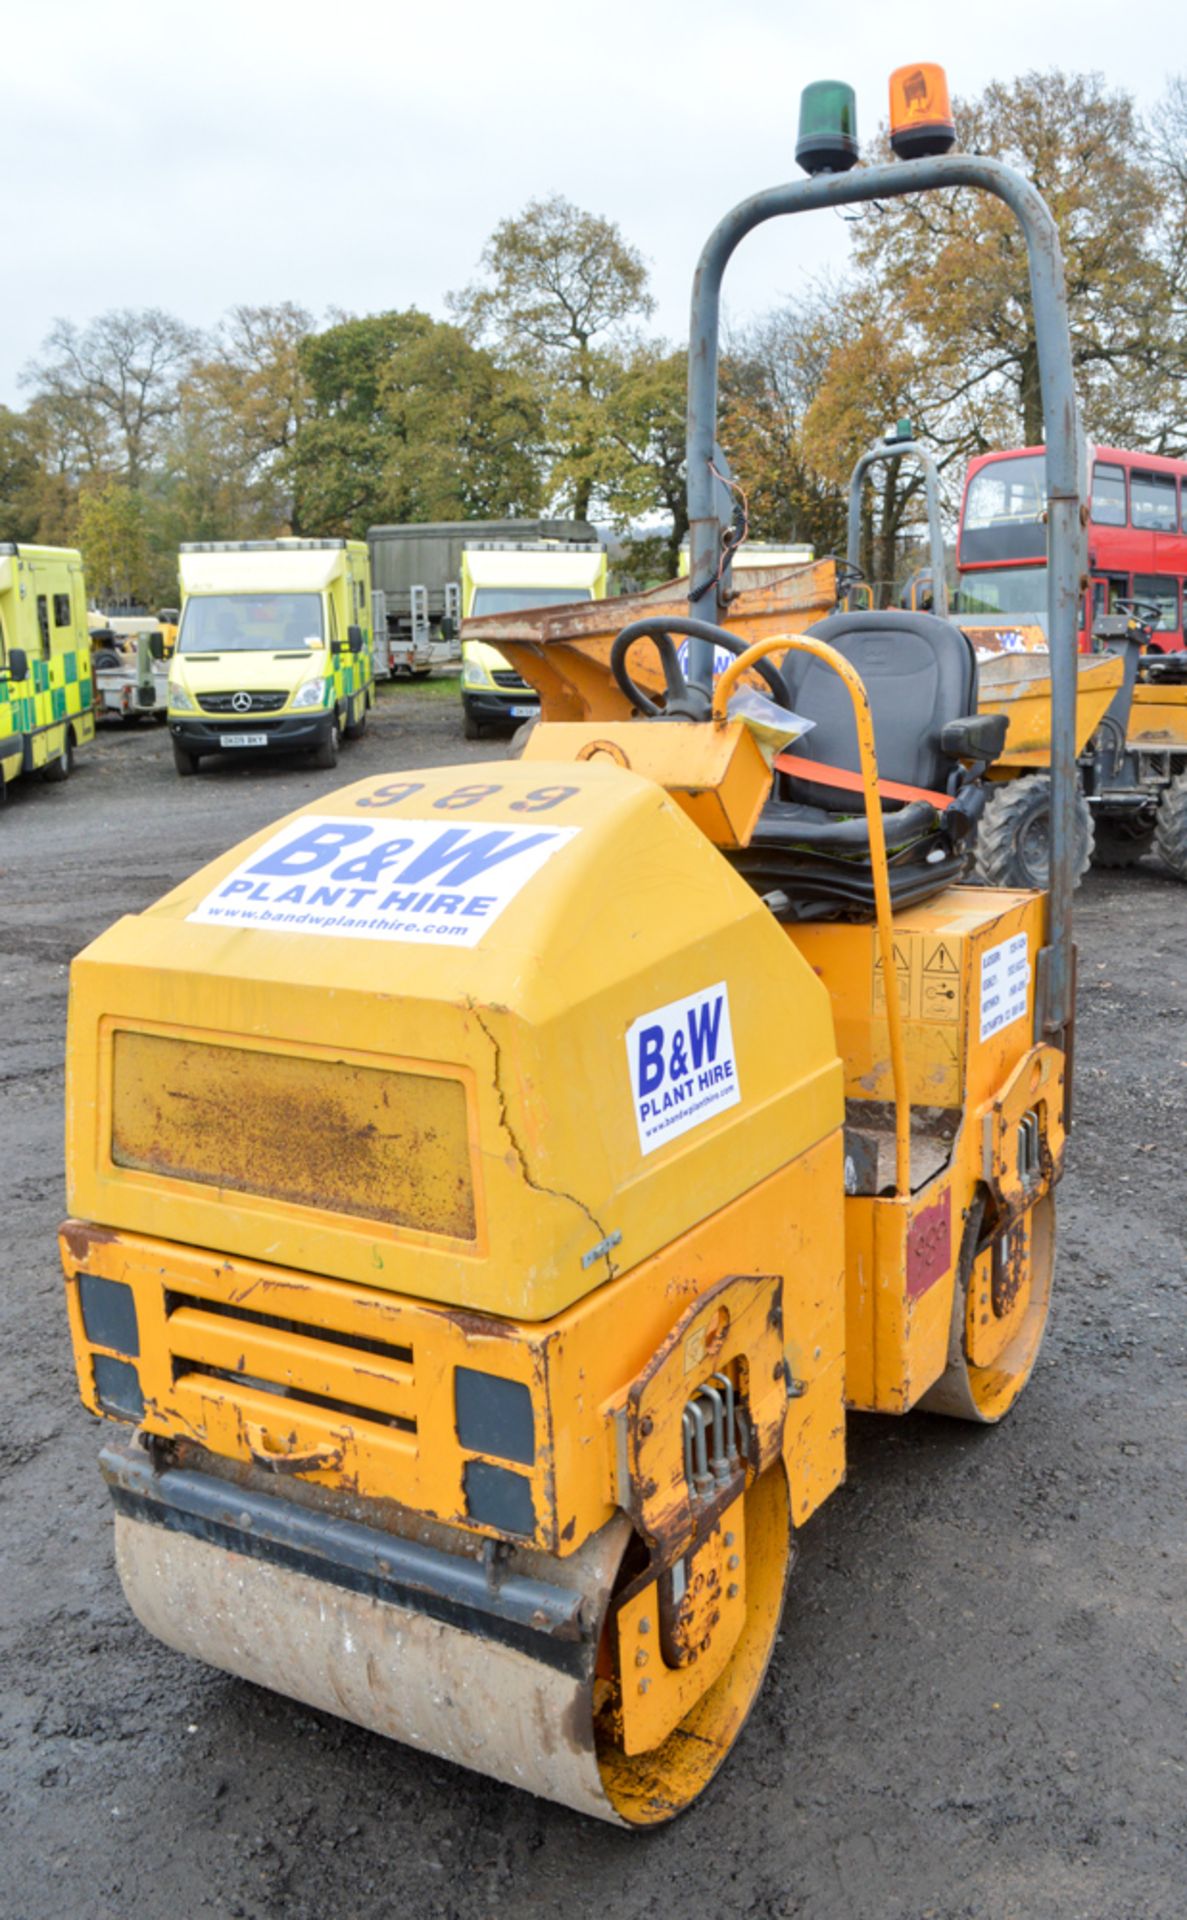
(242, 404)
(408, 420)
(771, 374)
(113, 537)
(952, 269)
(640, 467)
(112, 389)
(561, 302)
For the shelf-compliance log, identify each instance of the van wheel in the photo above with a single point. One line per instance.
(183, 760)
(355, 729)
(327, 754)
(62, 765)
(470, 728)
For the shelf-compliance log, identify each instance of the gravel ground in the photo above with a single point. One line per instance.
(976, 1707)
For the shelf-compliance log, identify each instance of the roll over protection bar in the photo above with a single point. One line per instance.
(1066, 540)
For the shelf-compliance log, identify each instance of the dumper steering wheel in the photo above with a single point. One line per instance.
(682, 700)
(1144, 613)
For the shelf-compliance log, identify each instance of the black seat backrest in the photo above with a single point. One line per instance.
(919, 672)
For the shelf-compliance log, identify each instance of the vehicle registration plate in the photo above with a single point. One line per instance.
(242, 739)
(524, 713)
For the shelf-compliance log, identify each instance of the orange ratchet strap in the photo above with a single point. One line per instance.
(822, 776)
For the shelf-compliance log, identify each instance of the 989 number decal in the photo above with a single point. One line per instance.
(458, 799)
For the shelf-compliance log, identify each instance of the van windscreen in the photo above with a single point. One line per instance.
(251, 623)
(520, 599)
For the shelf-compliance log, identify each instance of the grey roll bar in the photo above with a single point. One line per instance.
(901, 450)
(1067, 547)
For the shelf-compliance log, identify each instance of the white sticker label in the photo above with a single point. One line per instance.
(427, 881)
(1005, 985)
(682, 1066)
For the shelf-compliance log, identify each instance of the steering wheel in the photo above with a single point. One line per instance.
(682, 700)
(1141, 611)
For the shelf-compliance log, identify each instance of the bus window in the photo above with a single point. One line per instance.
(1152, 501)
(1007, 491)
(1006, 590)
(1157, 587)
(1108, 495)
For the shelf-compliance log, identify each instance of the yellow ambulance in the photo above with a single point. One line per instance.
(46, 692)
(273, 651)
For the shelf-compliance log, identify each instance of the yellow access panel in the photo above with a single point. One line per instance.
(351, 1046)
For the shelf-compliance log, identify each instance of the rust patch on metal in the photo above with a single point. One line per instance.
(1010, 1269)
(375, 1143)
(80, 1237)
(604, 750)
(929, 1246)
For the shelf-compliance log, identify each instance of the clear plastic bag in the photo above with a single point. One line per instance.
(774, 727)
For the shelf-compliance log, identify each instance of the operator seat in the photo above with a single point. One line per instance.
(810, 852)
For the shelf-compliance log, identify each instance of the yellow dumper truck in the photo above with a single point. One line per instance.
(491, 1186)
(274, 649)
(46, 689)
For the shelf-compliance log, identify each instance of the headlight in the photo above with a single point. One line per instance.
(312, 694)
(474, 674)
(180, 700)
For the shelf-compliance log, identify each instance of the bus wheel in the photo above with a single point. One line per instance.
(62, 764)
(1013, 847)
(1170, 832)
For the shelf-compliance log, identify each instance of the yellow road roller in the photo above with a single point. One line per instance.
(491, 1186)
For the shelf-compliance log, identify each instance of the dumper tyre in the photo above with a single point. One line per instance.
(1120, 843)
(62, 764)
(1013, 847)
(184, 761)
(1170, 828)
(327, 754)
(1024, 1253)
(106, 659)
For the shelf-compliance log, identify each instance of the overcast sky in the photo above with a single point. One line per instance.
(194, 157)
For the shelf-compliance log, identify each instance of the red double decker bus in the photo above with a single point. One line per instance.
(1137, 538)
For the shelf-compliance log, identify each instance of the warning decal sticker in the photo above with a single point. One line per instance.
(1005, 985)
(682, 1066)
(415, 880)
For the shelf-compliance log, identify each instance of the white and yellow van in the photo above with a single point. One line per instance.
(46, 690)
(274, 649)
(503, 576)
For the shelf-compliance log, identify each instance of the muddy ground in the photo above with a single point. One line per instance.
(976, 1707)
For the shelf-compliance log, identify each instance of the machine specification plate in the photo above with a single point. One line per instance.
(682, 1065)
(1005, 985)
(421, 880)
